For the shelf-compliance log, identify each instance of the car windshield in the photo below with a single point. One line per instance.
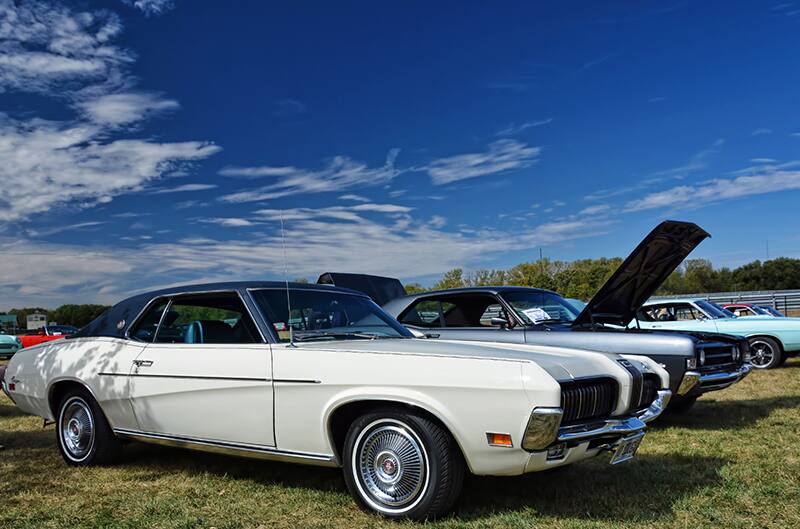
(326, 315)
(770, 311)
(713, 310)
(540, 307)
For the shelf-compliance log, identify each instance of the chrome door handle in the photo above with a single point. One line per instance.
(142, 363)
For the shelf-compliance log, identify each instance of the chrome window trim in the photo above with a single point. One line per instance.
(227, 447)
(171, 297)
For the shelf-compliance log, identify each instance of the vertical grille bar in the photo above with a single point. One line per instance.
(588, 399)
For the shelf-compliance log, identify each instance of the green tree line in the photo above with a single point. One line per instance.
(71, 314)
(582, 278)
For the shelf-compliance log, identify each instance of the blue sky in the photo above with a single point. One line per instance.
(147, 143)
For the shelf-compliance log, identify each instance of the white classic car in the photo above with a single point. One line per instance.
(332, 381)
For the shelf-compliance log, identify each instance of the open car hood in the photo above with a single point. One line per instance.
(382, 290)
(642, 272)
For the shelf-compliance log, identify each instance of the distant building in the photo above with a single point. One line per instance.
(37, 320)
(8, 321)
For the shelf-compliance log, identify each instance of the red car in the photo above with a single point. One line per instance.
(47, 334)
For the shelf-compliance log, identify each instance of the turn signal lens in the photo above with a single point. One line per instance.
(691, 363)
(499, 439)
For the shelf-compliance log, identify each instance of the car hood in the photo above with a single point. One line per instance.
(7, 338)
(642, 272)
(559, 362)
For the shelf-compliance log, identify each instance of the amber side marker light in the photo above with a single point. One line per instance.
(499, 439)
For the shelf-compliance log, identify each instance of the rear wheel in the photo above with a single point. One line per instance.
(765, 353)
(402, 465)
(84, 436)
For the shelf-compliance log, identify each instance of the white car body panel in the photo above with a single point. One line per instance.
(223, 394)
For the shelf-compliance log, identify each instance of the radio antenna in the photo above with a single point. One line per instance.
(286, 280)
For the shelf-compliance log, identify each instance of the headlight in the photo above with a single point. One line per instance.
(691, 363)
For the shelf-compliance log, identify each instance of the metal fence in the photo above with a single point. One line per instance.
(786, 301)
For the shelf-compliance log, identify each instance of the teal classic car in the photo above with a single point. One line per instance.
(772, 340)
(9, 345)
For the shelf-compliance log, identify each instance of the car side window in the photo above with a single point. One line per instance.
(145, 329)
(686, 313)
(218, 318)
(453, 311)
(427, 313)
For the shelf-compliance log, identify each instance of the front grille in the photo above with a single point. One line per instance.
(588, 399)
(650, 386)
(717, 354)
(6, 346)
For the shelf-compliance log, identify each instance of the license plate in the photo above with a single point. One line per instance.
(626, 449)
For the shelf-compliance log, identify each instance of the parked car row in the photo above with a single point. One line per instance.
(407, 398)
(10, 344)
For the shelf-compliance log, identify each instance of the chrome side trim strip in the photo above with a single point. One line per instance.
(295, 381)
(191, 377)
(229, 448)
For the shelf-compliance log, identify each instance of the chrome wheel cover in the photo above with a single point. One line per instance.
(761, 354)
(390, 466)
(76, 429)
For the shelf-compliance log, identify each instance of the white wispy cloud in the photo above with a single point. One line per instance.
(60, 229)
(513, 128)
(44, 45)
(124, 108)
(183, 188)
(501, 156)
(48, 163)
(354, 198)
(151, 7)
(229, 222)
(69, 55)
(696, 162)
(761, 131)
(717, 190)
(595, 210)
(339, 173)
(290, 107)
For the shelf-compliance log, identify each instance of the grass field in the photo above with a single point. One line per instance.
(733, 462)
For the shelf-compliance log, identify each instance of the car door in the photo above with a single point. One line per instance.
(206, 373)
(463, 316)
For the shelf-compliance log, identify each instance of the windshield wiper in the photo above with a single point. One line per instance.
(304, 336)
(551, 320)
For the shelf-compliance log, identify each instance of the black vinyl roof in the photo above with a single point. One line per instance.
(116, 320)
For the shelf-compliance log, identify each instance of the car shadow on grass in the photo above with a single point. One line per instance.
(161, 459)
(25, 439)
(726, 414)
(10, 411)
(644, 489)
(640, 490)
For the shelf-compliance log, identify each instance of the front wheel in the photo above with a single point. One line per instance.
(402, 465)
(765, 353)
(84, 436)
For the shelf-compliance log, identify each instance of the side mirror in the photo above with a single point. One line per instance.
(499, 322)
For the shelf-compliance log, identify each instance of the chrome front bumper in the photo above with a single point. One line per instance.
(543, 427)
(712, 381)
